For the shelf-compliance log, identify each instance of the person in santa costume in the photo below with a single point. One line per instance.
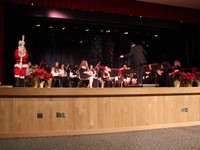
(21, 55)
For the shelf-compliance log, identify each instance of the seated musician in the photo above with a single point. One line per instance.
(176, 66)
(92, 71)
(64, 81)
(96, 81)
(116, 77)
(106, 77)
(73, 74)
(85, 74)
(156, 76)
(161, 78)
(27, 81)
(131, 80)
(56, 74)
(148, 74)
(126, 78)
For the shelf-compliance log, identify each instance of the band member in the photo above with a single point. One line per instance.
(85, 74)
(64, 81)
(106, 77)
(20, 67)
(96, 81)
(27, 81)
(92, 70)
(176, 66)
(55, 71)
(125, 75)
(73, 73)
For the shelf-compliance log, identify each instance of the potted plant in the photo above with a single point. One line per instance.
(197, 74)
(189, 78)
(177, 77)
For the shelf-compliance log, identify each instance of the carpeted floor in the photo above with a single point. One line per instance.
(184, 138)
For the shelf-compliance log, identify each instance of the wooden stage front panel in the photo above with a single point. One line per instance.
(30, 112)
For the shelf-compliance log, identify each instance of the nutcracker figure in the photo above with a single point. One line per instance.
(21, 55)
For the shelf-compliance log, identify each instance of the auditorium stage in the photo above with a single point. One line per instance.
(34, 112)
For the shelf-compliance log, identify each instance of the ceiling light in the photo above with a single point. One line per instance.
(102, 30)
(50, 26)
(155, 35)
(38, 25)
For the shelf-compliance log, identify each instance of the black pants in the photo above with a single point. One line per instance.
(64, 82)
(19, 82)
(139, 74)
(108, 83)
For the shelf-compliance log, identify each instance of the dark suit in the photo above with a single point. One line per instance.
(138, 53)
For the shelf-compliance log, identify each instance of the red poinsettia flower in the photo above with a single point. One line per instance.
(189, 76)
(42, 74)
(177, 75)
(197, 74)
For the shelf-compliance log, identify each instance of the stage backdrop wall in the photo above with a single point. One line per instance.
(127, 7)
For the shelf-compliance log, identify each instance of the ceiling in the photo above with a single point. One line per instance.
(194, 4)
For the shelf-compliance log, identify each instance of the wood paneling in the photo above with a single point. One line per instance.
(95, 110)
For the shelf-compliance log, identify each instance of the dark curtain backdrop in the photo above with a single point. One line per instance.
(1, 40)
(127, 7)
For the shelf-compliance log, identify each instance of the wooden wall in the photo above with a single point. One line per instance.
(97, 110)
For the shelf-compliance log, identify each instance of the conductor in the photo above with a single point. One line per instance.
(138, 53)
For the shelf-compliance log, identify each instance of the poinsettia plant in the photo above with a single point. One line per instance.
(177, 75)
(43, 73)
(183, 76)
(189, 76)
(197, 74)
